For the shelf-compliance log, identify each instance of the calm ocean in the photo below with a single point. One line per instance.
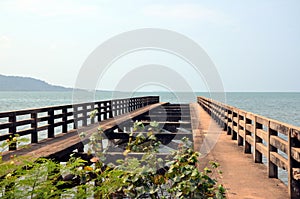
(284, 107)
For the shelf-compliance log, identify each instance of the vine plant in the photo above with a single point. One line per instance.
(131, 177)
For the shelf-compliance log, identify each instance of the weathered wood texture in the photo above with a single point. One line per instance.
(54, 120)
(65, 143)
(277, 141)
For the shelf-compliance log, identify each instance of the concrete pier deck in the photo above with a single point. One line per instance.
(242, 178)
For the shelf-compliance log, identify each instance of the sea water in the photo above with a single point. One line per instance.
(283, 106)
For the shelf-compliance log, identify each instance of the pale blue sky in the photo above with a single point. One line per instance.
(255, 45)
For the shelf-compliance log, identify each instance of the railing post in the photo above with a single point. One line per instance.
(233, 133)
(104, 108)
(12, 130)
(34, 134)
(293, 166)
(256, 153)
(220, 115)
(84, 115)
(99, 112)
(226, 119)
(75, 117)
(51, 123)
(272, 168)
(239, 137)
(230, 120)
(65, 120)
(92, 108)
(247, 148)
(112, 108)
(121, 107)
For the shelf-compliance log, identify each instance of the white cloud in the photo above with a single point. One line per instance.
(186, 12)
(53, 7)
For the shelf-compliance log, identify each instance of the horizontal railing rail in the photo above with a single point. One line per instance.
(278, 142)
(47, 122)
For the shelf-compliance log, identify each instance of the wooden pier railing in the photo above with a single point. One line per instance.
(62, 119)
(278, 142)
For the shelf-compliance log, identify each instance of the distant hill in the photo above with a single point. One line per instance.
(15, 83)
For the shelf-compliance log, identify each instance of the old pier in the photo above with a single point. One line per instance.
(245, 139)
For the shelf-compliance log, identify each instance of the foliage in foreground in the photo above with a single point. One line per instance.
(147, 177)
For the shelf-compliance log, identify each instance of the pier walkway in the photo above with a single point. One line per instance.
(242, 178)
(236, 139)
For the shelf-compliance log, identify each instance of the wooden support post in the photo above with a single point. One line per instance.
(112, 109)
(220, 115)
(294, 166)
(34, 134)
(223, 122)
(272, 167)
(75, 116)
(247, 148)
(256, 153)
(233, 133)
(12, 130)
(51, 123)
(84, 115)
(105, 115)
(130, 105)
(65, 119)
(99, 112)
(240, 138)
(121, 107)
(93, 119)
(226, 120)
(229, 127)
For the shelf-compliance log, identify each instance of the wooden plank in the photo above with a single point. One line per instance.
(295, 153)
(279, 143)
(250, 139)
(250, 128)
(242, 133)
(235, 119)
(6, 125)
(279, 127)
(67, 142)
(44, 127)
(175, 136)
(279, 160)
(5, 136)
(295, 133)
(262, 120)
(250, 116)
(42, 119)
(25, 132)
(242, 123)
(24, 122)
(242, 112)
(262, 149)
(169, 122)
(236, 129)
(262, 134)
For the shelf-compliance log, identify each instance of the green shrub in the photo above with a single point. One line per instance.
(147, 177)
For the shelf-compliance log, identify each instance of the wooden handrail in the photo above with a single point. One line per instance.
(64, 118)
(263, 137)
